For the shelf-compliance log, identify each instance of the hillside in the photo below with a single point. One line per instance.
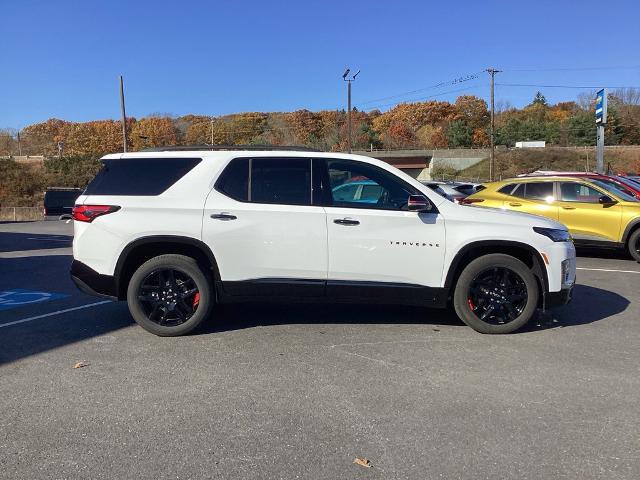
(430, 124)
(515, 161)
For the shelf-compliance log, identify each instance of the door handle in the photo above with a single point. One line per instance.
(515, 204)
(223, 216)
(346, 221)
(568, 208)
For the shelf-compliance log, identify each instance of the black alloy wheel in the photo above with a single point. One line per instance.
(497, 295)
(169, 297)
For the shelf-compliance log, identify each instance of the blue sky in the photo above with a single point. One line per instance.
(62, 58)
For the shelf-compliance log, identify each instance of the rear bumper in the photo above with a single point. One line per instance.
(556, 299)
(92, 282)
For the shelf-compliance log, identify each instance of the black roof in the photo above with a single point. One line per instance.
(187, 148)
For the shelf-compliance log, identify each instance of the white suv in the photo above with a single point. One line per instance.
(175, 232)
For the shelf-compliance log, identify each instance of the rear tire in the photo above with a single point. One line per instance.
(170, 295)
(499, 288)
(634, 245)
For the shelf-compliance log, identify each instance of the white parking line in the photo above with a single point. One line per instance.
(37, 317)
(49, 239)
(607, 270)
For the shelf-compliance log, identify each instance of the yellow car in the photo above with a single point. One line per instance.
(595, 213)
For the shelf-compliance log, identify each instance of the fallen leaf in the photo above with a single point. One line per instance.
(436, 329)
(80, 365)
(363, 462)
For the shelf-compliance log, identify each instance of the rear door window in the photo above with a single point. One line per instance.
(139, 176)
(538, 190)
(534, 191)
(285, 181)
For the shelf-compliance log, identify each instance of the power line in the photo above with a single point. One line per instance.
(408, 100)
(579, 87)
(572, 69)
(455, 81)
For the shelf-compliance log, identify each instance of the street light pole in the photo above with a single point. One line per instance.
(345, 77)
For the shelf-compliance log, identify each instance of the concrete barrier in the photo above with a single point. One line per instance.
(20, 214)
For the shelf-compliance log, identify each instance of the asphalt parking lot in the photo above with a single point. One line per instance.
(276, 391)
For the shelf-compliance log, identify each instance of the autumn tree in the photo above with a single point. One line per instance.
(473, 111)
(480, 138)
(429, 136)
(153, 132)
(415, 115)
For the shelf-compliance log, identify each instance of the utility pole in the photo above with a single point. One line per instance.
(212, 131)
(345, 77)
(124, 117)
(492, 72)
(19, 144)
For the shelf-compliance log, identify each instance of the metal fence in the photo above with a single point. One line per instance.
(20, 214)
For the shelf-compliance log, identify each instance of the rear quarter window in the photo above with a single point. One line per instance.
(139, 176)
(507, 189)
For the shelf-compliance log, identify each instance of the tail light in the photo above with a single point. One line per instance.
(88, 213)
(470, 201)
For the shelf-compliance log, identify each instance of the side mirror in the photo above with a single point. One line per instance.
(606, 200)
(418, 203)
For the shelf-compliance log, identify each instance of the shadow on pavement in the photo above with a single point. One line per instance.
(589, 304)
(18, 242)
(250, 315)
(606, 253)
(24, 340)
(51, 274)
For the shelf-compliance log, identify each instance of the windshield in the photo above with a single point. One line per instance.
(614, 188)
(630, 182)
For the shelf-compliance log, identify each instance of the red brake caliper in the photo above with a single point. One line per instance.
(196, 300)
(470, 303)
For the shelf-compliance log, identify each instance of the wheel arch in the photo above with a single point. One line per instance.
(142, 249)
(522, 251)
(631, 227)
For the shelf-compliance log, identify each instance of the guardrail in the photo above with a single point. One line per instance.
(20, 214)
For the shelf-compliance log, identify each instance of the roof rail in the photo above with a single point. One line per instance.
(187, 148)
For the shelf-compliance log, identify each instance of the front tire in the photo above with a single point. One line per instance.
(169, 295)
(634, 245)
(496, 293)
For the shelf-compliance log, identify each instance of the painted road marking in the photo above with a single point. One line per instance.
(19, 297)
(49, 239)
(607, 270)
(66, 310)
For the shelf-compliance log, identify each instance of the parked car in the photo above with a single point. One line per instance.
(445, 190)
(465, 188)
(176, 232)
(595, 213)
(619, 183)
(59, 202)
(361, 191)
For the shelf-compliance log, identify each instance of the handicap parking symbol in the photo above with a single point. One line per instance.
(19, 297)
